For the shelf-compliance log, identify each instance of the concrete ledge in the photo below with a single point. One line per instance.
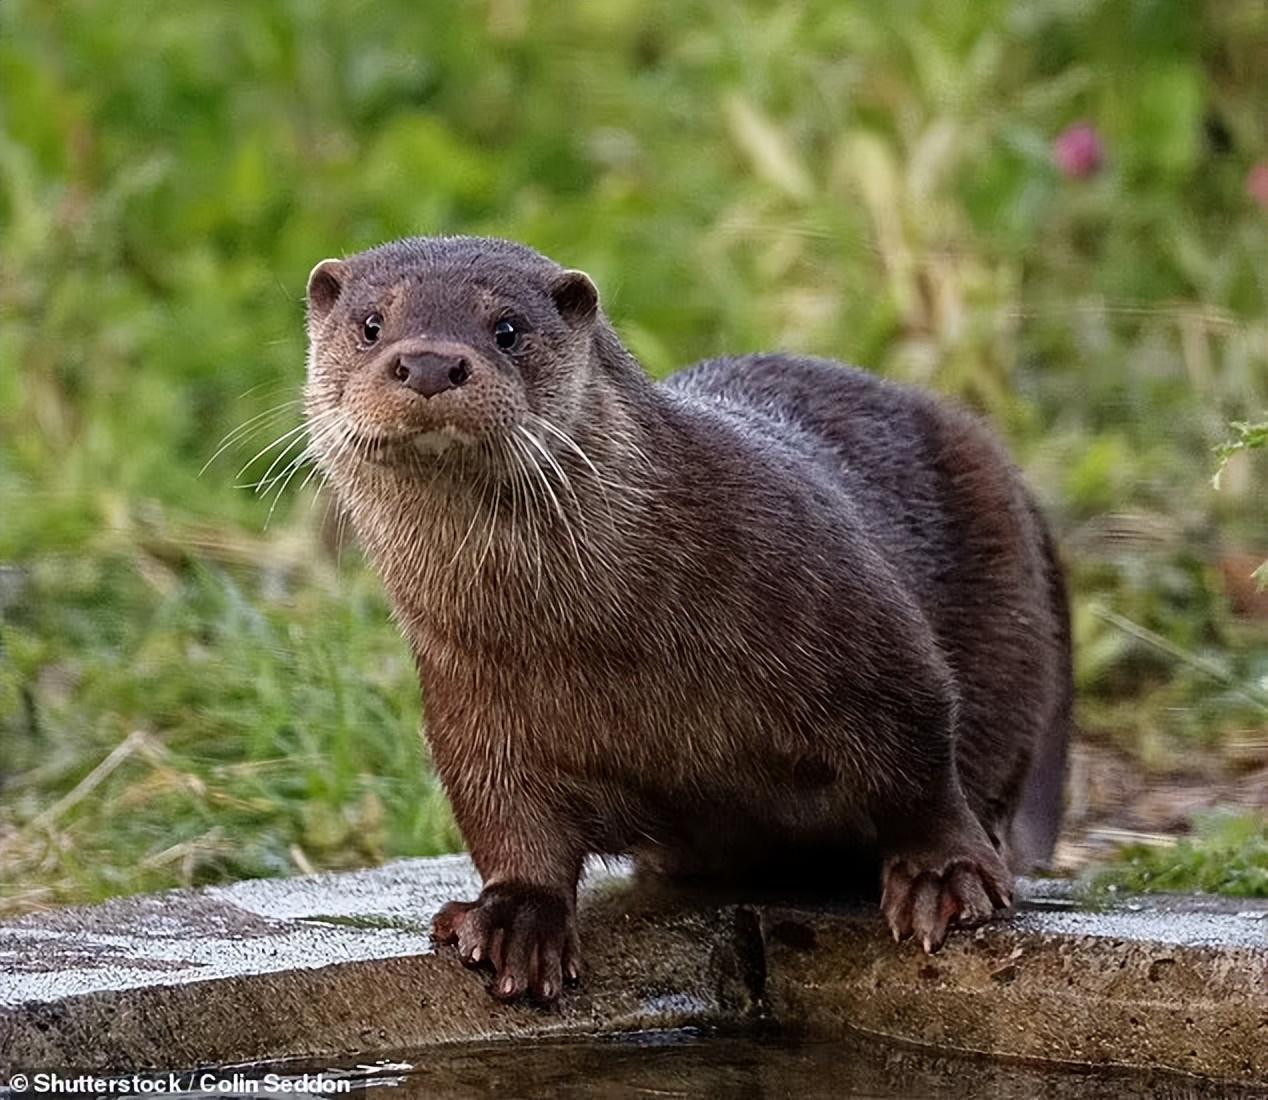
(339, 966)
(330, 966)
(1149, 985)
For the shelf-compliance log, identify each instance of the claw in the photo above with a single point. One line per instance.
(526, 934)
(926, 898)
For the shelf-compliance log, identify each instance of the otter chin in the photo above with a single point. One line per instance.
(773, 618)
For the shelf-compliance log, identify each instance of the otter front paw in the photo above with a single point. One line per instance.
(924, 894)
(526, 934)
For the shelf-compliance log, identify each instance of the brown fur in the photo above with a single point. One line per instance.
(772, 613)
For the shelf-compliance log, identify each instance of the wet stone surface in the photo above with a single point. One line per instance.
(340, 967)
(1132, 987)
(332, 966)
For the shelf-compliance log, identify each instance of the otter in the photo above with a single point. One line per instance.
(771, 614)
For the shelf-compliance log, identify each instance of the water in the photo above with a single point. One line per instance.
(687, 1064)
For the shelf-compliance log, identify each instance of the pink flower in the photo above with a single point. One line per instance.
(1257, 183)
(1079, 151)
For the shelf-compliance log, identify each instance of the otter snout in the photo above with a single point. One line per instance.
(431, 394)
(428, 373)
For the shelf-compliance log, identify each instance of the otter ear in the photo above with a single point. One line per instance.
(576, 297)
(325, 281)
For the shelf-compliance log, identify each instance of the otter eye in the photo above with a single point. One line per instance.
(505, 334)
(371, 327)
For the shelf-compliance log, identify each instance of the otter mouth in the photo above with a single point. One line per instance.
(396, 450)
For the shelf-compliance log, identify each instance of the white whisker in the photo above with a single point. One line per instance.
(563, 515)
(247, 429)
(283, 438)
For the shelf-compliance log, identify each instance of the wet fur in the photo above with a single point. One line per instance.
(780, 607)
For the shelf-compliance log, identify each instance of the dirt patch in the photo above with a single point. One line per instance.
(1111, 801)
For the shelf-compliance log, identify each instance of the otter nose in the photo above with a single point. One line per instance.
(429, 374)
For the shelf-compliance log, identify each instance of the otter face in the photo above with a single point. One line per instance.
(425, 344)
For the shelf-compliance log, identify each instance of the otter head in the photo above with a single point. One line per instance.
(428, 346)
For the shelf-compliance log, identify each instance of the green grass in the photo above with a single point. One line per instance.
(201, 726)
(1228, 855)
(187, 695)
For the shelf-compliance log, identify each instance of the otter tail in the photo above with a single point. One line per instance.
(1038, 819)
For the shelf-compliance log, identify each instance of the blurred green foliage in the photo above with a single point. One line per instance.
(185, 696)
(1227, 855)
